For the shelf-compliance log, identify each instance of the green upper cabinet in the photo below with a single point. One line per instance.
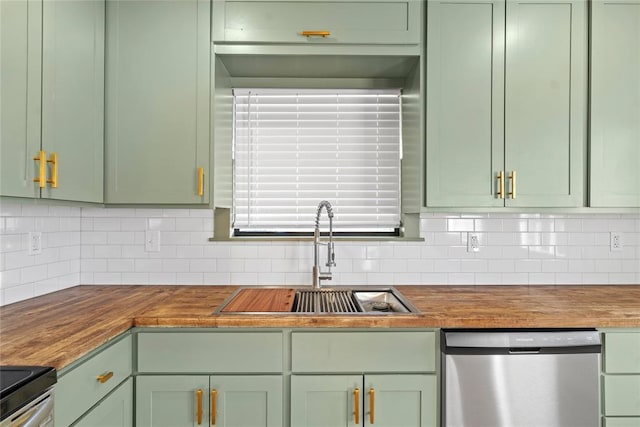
(52, 99)
(338, 22)
(545, 102)
(506, 103)
(465, 102)
(73, 97)
(615, 103)
(20, 83)
(157, 101)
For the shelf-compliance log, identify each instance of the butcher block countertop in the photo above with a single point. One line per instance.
(59, 328)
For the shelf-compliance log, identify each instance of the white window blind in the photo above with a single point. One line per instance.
(294, 148)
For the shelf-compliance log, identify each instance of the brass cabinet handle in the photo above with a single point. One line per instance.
(42, 169)
(356, 402)
(200, 181)
(500, 178)
(54, 170)
(316, 33)
(199, 398)
(372, 405)
(512, 177)
(105, 377)
(214, 406)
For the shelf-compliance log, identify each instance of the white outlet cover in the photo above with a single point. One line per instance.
(616, 241)
(35, 243)
(152, 241)
(473, 242)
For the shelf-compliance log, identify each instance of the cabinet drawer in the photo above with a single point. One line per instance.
(622, 352)
(203, 352)
(363, 351)
(362, 22)
(622, 395)
(79, 389)
(621, 422)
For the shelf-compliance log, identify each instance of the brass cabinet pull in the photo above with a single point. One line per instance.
(54, 170)
(512, 177)
(214, 406)
(105, 377)
(372, 405)
(200, 181)
(42, 169)
(199, 398)
(500, 178)
(316, 33)
(356, 402)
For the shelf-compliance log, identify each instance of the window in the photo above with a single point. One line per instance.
(294, 148)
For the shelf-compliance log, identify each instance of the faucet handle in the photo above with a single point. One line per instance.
(331, 255)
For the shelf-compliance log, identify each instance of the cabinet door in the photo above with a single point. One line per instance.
(465, 102)
(361, 22)
(327, 400)
(73, 97)
(157, 100)
(615, 103)
(116, 410)
(400, 400)
(246, 400)
(171, 401)
(20, 83)
(622, 395)
(545, 101)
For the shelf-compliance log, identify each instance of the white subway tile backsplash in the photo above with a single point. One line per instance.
(148, 265)
(106, 246)
(204, 265)
(247, 279)
(460, 224)
(121, 265)
(220, 278)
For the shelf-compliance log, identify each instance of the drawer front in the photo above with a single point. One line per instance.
(363, 22)
(79, 389)
(363, 351)
(210, 352)
(621, 422)
(622, 395)
(622, 352)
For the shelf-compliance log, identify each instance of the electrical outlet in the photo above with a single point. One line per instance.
(615, 241)
(35, 243)
(473, 244)
(152, 241)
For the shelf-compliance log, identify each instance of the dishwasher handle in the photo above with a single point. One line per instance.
(525, 350)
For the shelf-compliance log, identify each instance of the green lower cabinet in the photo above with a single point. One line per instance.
(404, 400)
(621, 422)
(327, 400)
(224, 401)
(246, 401)
(400, 400)
(171, 401)
(116, 410)
(622, 395)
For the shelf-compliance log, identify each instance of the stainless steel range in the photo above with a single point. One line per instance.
(26, 396)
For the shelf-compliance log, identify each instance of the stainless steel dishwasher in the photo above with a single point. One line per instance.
(521, 378)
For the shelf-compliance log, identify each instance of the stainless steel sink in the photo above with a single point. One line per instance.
(343, 301)
(351, 301)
